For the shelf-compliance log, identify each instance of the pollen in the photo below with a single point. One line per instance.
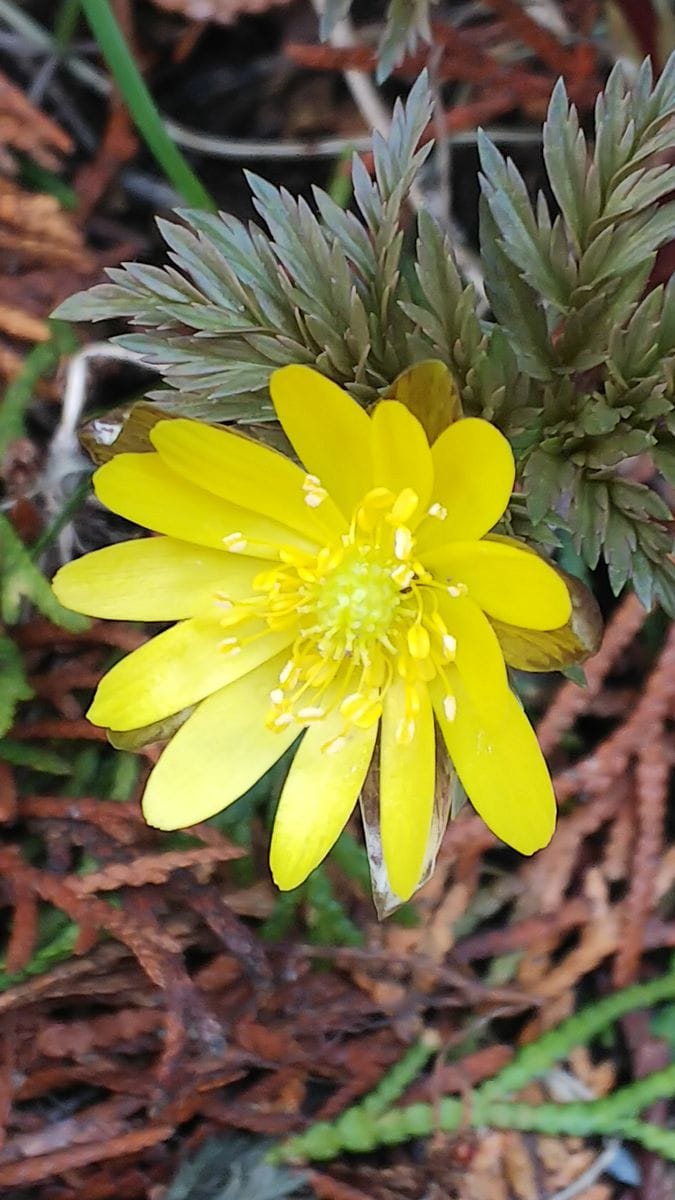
(360, 613)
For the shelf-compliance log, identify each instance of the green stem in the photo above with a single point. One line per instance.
(578, 1030)
(141, 105)
(367, 1125)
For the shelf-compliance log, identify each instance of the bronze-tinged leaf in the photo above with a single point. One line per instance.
(124, 430)
(430, 392)
(149, 735)
(553, 650)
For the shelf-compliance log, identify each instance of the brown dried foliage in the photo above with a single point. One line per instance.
(181, 1011)
(506, 61)
(43, 254)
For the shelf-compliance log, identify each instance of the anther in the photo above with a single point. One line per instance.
(438, 511)
(404, 506)
(403, 542)
(418, 641)
(334, 745)
(449, 645)
(315, 494)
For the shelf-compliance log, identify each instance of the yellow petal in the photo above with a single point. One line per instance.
(152, 579)
(502, 770)
(255, 477)
(555, 649)
(508, 581)
(141, 488)
(173, 670)
(478, 655)
(330, 432)
(322, 788)
(220, 752)
(401, 454)
(407, 780)
(474, 473)
(429, 391)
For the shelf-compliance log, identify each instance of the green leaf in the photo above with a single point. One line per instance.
(21, 580)
(664, 458)
(546, 478)
(15, 686)
(29, 754)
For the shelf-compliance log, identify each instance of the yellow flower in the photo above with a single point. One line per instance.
(355, 596)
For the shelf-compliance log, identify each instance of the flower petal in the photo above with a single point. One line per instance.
(507, 580)
(152, 579)
(502, 769)
(478, 656)
(141, 488)
(401, 454)
(474, 472)
(220, 752)
(330, 432)
(407, 781)
(243, 472)
(173, 670)
(555, 649)
(318, 797)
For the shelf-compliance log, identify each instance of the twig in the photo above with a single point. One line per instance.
(591, 1174)
(65, 458)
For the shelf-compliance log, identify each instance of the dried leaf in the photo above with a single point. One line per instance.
(27, 129)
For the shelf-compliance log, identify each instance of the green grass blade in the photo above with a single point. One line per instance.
(141, 105)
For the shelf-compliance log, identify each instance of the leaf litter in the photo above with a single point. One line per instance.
(146, 1020)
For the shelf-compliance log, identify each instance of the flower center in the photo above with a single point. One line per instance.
(358, 599)
(361, 613)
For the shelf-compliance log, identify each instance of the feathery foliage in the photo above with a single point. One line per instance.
(577, 366)
(406, 22)
(374, 1121)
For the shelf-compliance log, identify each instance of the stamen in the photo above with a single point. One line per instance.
(287, 671)
(404, 506)
(334, 745)
(403, 542)
(315, 494)
(419, 643)
(360, 612)
(437, 510)
(449, 645)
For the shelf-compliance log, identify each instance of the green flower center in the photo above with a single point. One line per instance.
(359, 598)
